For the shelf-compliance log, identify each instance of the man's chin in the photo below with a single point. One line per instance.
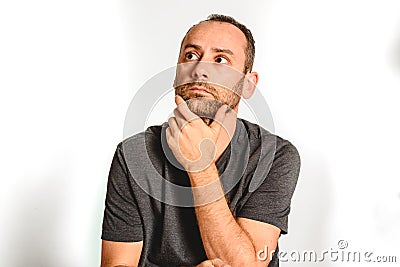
(205, 108)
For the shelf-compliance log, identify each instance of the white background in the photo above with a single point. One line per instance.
(329, 70)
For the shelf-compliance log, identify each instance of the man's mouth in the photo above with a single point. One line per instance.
(200, 90)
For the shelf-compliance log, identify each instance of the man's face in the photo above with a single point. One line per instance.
(210, 67)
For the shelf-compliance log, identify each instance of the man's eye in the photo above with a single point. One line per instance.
(191, 56)
(221, 60)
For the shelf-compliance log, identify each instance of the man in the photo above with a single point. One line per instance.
(241, 177)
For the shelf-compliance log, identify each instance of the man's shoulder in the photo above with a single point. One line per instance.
(259, 134)
(142, 143)
(152, 132)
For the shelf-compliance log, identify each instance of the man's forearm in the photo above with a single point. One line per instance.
(221, 235)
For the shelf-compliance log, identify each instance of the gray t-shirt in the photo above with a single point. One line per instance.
(149, 196)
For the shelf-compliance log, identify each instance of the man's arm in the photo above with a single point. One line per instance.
(121, 221)
(236, 242)
(197, 146)
(120, 254)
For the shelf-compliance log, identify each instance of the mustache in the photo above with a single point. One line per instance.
(185, 87)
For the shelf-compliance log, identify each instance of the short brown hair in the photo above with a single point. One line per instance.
(250, 49)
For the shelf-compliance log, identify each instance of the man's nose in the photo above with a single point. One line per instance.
(200, 71)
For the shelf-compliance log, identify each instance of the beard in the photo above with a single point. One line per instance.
(205, 107)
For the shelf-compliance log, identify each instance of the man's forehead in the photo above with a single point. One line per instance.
(217, 35)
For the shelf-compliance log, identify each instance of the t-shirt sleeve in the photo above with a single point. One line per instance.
(121, 221)
(270, 202)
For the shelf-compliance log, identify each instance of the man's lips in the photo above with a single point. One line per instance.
(200, 90)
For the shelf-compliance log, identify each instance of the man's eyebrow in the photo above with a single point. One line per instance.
(222, 50)
(214, 49)
(192, 46)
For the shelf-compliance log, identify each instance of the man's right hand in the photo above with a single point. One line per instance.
(213, 263)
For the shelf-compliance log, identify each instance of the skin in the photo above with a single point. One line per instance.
(228, 241)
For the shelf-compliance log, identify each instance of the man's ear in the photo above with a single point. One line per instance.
(250, 84)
